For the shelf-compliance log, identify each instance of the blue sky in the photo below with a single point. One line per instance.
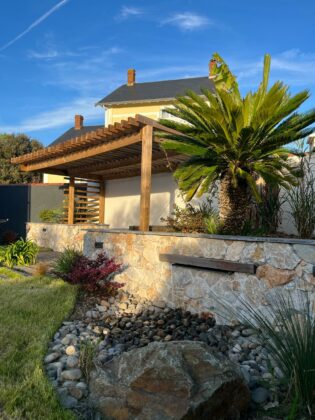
(58, 57)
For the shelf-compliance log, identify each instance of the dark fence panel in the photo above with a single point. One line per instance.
(23, 202)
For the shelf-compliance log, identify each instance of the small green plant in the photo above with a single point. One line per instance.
(287, 329)
(194, 219)
(269, 209)
(51, 215)
(212, 223)
(67, 261)
(21, 252)
(302, 200)
(87, 354)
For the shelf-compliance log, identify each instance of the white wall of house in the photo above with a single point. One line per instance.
(122, 202)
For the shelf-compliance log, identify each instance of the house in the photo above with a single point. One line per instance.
(149, 99)
(146, 100)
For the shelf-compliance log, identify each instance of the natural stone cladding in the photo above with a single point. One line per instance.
(58, 236)
(288, 266)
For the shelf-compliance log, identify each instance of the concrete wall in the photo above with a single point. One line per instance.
(282, 264)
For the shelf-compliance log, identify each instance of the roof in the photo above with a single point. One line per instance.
(72, 132)
(153, 91)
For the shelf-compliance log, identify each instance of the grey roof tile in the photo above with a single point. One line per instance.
(72, 132)
(167, 89)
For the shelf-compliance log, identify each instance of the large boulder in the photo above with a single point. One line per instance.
(174, 380)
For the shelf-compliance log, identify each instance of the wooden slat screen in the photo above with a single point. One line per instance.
(86, 201)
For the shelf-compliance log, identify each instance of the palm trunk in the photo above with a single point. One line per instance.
(234, 205)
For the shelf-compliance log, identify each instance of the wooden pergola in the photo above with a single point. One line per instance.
(126, 149)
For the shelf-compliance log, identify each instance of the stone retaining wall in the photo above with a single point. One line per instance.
(58, 236)
(281, 263)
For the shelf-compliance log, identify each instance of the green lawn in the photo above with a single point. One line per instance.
(31, 310)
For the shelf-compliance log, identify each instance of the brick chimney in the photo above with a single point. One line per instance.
(131, 77)
(211, 66)
(78, 122)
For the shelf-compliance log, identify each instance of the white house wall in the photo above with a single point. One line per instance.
(122, 202)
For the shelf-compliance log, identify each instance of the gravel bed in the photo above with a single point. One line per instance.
(117, 324)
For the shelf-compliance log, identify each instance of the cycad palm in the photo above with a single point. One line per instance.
(236, 140)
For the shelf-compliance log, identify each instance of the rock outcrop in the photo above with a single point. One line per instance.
(169, 380)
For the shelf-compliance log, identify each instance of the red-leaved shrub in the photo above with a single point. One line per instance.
(94, 275)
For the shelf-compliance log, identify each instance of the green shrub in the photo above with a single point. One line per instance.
(269, 209)
(287, 329)
(194, 219)
(302, 200)
(66, 261)
(212, 223)
(22, 252)
(51, 215)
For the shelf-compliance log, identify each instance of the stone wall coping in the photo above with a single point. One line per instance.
(203, 235)
(66, 224)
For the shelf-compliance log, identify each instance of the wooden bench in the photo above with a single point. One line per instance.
(209, 263)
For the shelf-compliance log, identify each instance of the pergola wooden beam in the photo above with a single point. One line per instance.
(92, 151)
(146, 171)
(111, 152)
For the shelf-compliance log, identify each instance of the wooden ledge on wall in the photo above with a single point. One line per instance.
(209, 263)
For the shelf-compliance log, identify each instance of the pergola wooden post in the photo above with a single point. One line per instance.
(146, 172)
(101, 217)
(71, 201)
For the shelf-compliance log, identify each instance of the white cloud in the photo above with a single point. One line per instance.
(89, 77)
(91, 74)
(58, 117)
(52, 53)
(129, 11)
(188, 21)
(44, 55)
(34, 24)
(48, 50)
(293, 67)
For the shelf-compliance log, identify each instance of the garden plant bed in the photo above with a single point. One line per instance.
(114, 325)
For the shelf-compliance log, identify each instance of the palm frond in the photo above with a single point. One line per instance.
(223, 133)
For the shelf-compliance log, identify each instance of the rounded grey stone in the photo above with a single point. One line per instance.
(75, 392)
(260, 395)
(71, 375)
(52, 357)
(68, 402)
(247, 332)
(72, 362)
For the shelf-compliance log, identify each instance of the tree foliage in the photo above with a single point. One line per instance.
(12, 145)
(238, 139)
